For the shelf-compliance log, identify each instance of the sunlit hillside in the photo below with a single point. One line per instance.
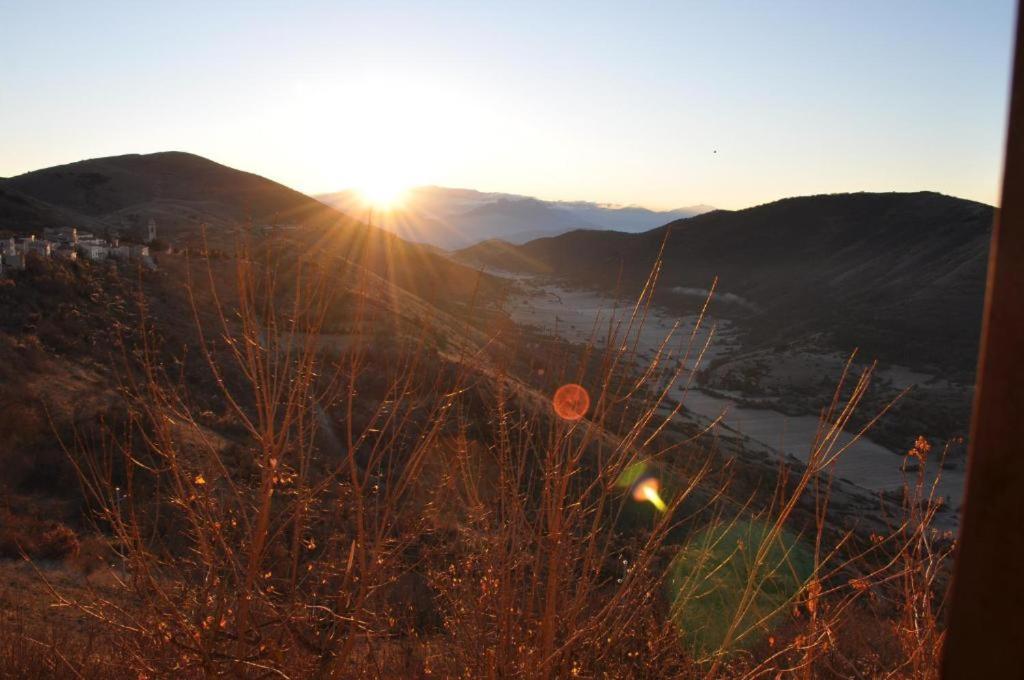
(325, 449)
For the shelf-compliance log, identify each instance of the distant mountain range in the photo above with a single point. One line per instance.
(901, 275)
(456, 218)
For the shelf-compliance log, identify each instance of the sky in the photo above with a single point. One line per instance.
(661, 104)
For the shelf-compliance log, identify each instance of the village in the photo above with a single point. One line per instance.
(69, 243)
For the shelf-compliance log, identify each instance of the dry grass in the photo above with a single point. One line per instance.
(381, 511)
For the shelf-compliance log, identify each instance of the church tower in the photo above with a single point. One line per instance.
(151, 230)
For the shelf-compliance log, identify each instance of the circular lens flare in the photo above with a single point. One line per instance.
(647, 491)
(571, 402)
(740, 575)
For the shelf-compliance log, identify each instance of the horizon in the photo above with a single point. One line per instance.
(498, 192)
(661, 107)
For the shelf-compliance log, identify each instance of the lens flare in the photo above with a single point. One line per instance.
(632, 474)
(736, 577)
(571, 402)
(647, 491)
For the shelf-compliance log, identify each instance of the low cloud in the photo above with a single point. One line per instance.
(731, 298)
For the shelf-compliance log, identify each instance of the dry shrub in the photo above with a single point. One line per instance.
(380, 512)
(35, 538)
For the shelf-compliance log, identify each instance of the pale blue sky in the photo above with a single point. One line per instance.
(617, 102)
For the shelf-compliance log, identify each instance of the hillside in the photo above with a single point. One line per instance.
(180, 190)
(187, 194)
(21, 213)
(412, 446)
(425, 394)
(102, 186)
(902, 275)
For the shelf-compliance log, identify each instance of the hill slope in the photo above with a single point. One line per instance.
(186, 193)
(180, 190)
(900, 274)
(26, 214)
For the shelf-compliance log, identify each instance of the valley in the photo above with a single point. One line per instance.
(754, 414)
(511, 341)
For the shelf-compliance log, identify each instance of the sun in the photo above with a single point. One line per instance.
(382, 194)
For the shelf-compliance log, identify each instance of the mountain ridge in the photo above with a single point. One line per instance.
(877, 270)
(454, 218)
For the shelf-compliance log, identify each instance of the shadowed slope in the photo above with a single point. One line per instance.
(104, 186)
(902, 275)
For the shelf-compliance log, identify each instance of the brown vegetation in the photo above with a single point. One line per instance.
(321, 489)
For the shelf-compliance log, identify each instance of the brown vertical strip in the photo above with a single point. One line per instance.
(985, 638)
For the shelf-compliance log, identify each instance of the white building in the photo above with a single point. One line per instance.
(67, 243)
(129, 251)
(94, 250)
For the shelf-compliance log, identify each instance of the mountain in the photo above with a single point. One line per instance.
(902, 275)
(23, 214)
(195, 200)
(180, 190)
(455, 218)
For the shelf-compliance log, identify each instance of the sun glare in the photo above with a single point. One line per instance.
(382, 194)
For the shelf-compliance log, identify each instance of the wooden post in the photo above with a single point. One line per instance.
(985, 638)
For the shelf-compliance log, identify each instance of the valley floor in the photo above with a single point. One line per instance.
(578, 315)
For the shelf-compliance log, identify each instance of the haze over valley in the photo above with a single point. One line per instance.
(455, 218)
